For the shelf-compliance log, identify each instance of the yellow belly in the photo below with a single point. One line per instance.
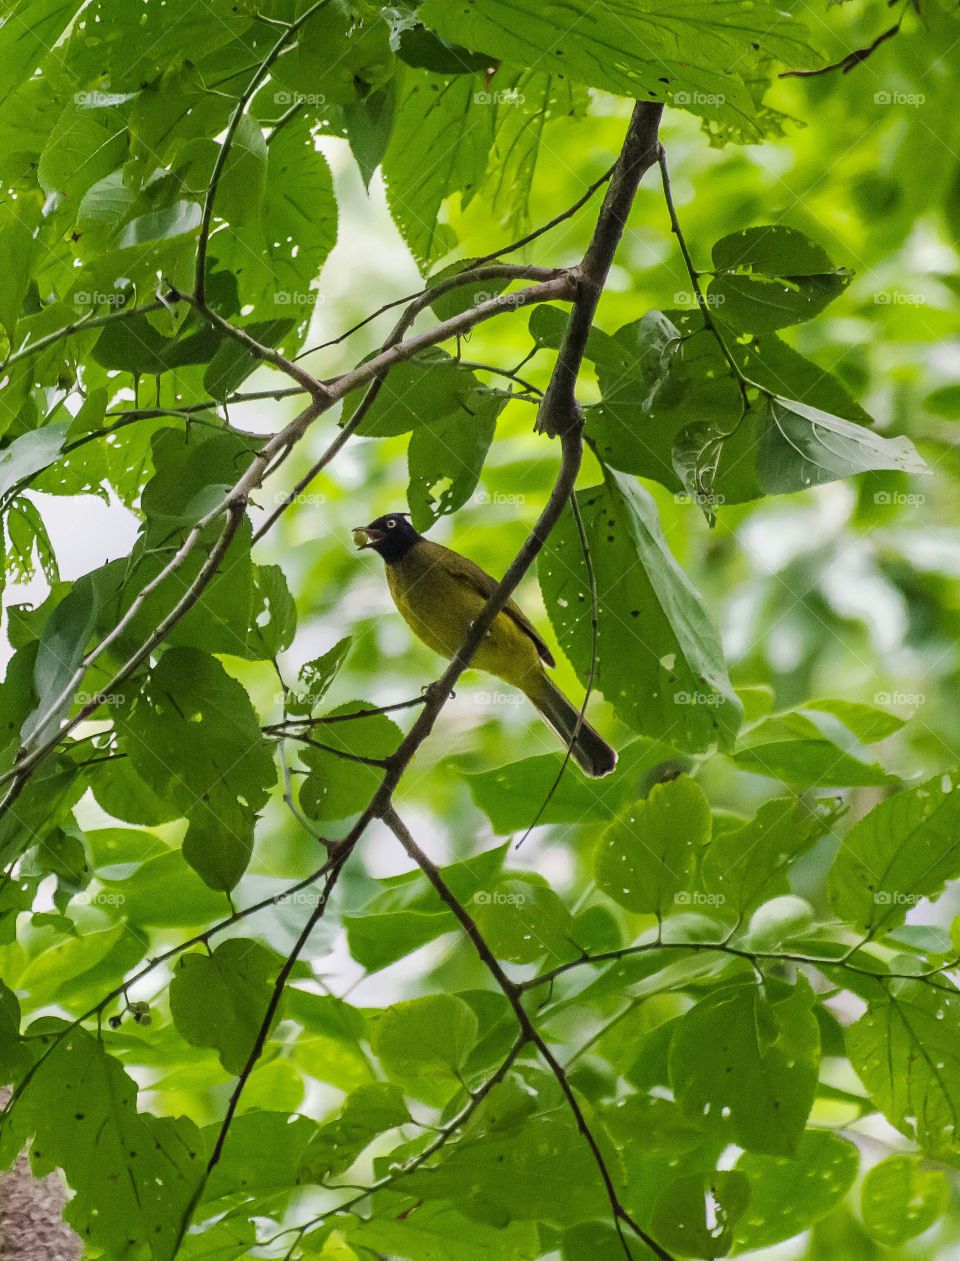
(439, 608)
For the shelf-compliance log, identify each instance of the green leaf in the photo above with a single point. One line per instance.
(85, 145)
(901, 1198)
(262, 1156)
(180, 219)
(424, 1043)
(770, 277)
(906, 1050)
(446, 457)
(803, 446)
(132, 1174)
(758, 1082)
(815, 763)
(19, 246)
(368, 1111)
(511, 795)
(670, 55)
(696, 1215)
(337, 787)
(441, 139)
(522, 920)
(437, 1232)
(408, 913)
(315, 678)
(62, 647)
(867, 723)
(660, 660)
(30, 29)
(418, 390)
(194, 737)
(276, 258)
(220, 1000)
(788, 1196)
(744, 866)
(647, 855)
(904, 850)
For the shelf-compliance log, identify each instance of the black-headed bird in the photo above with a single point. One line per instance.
(440, 593)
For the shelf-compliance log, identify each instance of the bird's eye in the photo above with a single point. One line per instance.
(391, 524)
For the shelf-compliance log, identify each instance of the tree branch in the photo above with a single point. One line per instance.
(529, 1031)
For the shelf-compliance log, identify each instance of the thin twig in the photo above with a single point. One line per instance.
(206, 220)
(847, 63)
(594, 636)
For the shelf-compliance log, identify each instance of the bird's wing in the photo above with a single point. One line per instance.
(471, 575)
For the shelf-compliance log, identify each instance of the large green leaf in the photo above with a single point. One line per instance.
(770, 277)
(649, 852)
(906, 1050)
(132, 1174)
(788, 1196)
(680, 53)
(904, 850)
(439, 147)
(660, 660)
(758, 1082)
(220, 1000)
(194, 737)
(901, 1198)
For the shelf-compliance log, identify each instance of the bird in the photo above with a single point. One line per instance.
(440, 593)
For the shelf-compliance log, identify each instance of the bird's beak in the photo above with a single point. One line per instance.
(366, 536)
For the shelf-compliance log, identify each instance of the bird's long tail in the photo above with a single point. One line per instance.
(589, 750)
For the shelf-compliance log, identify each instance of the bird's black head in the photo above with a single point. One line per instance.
(391, 536)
